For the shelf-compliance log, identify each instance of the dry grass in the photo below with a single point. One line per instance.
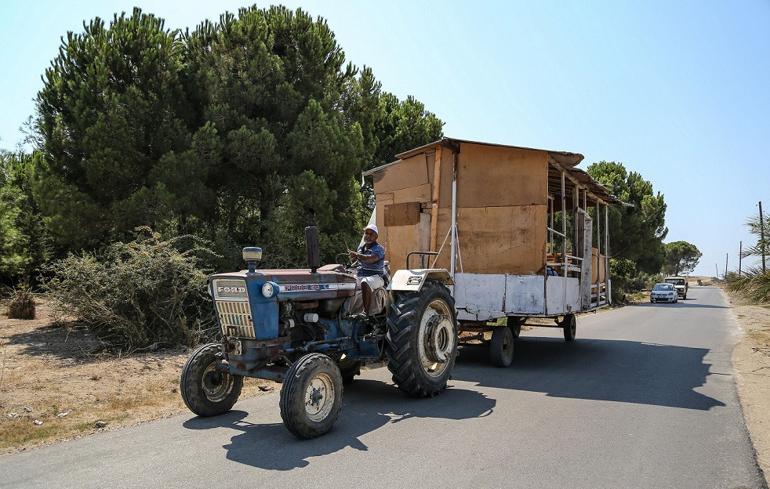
(21, 305)
(702, 280)
(58, 376)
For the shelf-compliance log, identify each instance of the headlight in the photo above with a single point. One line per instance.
(269, 289)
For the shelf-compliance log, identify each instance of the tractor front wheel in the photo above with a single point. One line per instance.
(311, 396)
(422, 340)
(206, 389)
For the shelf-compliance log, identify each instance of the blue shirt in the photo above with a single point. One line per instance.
(376, 268)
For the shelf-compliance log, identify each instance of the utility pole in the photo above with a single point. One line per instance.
(716, 267)
(740, 256)
(762, 236)
(727, 255)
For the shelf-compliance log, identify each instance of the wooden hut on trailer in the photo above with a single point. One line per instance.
(522, 231)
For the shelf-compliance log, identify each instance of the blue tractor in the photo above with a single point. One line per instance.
(298, 327)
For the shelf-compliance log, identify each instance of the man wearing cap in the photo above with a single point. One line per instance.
(371, 270)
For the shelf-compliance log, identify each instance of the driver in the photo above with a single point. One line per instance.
(371, 269)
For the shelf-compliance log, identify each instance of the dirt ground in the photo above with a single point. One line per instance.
(751, 359)
(55, 384)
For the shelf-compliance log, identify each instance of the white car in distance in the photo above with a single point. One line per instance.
(664, 292)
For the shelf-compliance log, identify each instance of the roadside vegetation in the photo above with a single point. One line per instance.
(640, 258)
(146, 293)
(750, 294)
(753, 284)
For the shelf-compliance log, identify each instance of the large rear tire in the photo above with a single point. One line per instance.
(311, 396)
(501, 347)
(422, 340)
(206, 389)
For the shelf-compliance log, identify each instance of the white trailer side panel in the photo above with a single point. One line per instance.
(559, 300)
(479, 297)
(524, 294)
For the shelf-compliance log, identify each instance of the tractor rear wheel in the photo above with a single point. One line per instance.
(422, 339)
(501, 347)
(206, 389)
(311, 396)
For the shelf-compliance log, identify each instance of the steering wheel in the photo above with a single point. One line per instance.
(346, 261)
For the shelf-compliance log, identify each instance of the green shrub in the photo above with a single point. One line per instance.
(753, 285)
(132, 295)
(627, 279)
(21, 304)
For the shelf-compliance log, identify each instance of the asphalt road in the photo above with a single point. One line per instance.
(644, 398)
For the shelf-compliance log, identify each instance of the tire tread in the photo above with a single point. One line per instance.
(191, 391)
(402, 318)
(292, 412)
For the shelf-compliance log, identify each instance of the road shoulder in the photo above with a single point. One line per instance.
(751, 360)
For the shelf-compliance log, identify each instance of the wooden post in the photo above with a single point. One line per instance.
(598, 231)
(598, 254)
(575, 228)
(564, 225)
(740, 256)
(434, 203)
(608, 284)
(762, 236)
(564, 240)
(727, 256)
(453, 226)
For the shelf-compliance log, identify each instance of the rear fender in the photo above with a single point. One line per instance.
(413, 280)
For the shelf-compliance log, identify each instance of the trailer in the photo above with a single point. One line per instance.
(523, 232)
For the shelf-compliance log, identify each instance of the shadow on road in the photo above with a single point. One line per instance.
(606, 370)
(368, 405)
(682, 303)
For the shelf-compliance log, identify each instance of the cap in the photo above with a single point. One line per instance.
(373, 228)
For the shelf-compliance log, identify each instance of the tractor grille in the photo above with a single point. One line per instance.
(235, 318)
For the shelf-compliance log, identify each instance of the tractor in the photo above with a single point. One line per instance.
(297, 327)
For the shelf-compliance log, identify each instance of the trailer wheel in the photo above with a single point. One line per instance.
(501, 347)
(422, 340)
(515, 322)
(569, 324)
(205, 389)
(311, 396)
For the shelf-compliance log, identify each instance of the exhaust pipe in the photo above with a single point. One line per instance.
(313, 248)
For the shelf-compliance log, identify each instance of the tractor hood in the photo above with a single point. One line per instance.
(327, 282)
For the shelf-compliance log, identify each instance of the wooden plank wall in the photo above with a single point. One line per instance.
(501, 211)
(598, 272)
(404, 182)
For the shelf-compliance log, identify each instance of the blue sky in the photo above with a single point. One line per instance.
(678, 91)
